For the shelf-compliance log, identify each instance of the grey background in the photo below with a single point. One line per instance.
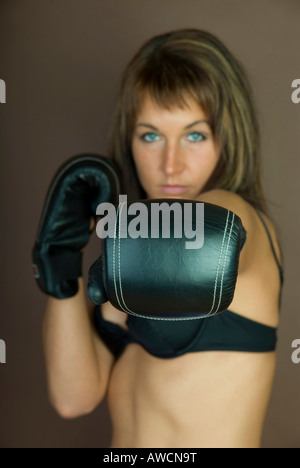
(62, 62)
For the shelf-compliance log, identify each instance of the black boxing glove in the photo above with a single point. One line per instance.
(169, 277)
(77, 188)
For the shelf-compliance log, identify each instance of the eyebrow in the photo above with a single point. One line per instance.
(152, 127)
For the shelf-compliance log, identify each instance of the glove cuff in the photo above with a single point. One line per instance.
(57, 274)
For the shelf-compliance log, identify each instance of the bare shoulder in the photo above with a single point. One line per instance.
(231, 201)
(258, 286)
(256, 237)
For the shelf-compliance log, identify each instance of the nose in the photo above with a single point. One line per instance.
(173, 160)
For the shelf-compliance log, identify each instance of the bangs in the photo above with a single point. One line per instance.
(170, 82)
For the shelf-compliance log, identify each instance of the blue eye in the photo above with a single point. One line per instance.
(195, 137)
(149, 137)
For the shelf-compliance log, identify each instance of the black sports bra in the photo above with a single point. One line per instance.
(227, 331)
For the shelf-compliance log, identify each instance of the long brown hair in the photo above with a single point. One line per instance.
(194, 63)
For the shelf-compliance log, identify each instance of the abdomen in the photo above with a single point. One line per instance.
(202, 399)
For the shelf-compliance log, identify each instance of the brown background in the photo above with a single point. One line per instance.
(62, 62)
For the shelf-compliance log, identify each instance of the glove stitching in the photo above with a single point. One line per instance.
(217, 273)
(126, 309)
(114, 260)
(225, 259)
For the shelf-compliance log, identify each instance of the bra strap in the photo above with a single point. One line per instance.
(272, 246)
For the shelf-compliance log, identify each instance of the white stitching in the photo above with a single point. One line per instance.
(125, 308)
(114, 262)
(114, 257)
(228, 242)
(217, 273)
(211, 313)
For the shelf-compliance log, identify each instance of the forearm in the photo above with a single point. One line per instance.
(77, 376)
(78, 363)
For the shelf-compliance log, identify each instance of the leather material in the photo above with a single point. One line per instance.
(159, 278)
(77, 188)
(96, 288)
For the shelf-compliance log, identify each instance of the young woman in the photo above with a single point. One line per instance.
(185, 127)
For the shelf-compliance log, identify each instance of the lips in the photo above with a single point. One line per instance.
(173, 189)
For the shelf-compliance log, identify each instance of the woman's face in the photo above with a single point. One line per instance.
(173, 150)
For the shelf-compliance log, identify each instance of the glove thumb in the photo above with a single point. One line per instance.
(96, 290)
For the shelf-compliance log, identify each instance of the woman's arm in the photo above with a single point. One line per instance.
(78, 363)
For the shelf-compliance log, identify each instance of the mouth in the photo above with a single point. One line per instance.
(173, 189)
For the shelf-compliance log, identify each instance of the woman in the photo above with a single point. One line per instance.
(185, 127)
